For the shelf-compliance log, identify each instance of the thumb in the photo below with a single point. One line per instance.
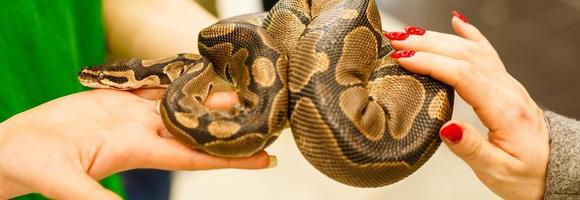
(468, 144)
(221, 100)
(77, 186)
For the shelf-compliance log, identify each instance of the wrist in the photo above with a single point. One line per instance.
(9, 188)
(4, 186)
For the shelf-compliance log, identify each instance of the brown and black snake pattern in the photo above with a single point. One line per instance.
(321, 65)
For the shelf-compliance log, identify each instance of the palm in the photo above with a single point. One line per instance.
(90, 135)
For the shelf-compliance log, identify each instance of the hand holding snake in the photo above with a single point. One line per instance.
(322, 66)
(62, 147)
(513, 161)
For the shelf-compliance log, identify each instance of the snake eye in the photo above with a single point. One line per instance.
(101, 76)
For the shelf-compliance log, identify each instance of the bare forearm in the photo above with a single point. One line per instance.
(4, 188)
(7, 189)
(153, 28)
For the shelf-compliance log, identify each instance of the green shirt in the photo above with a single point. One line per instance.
(42, 45)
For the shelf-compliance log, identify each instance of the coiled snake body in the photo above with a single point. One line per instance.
(323, 66)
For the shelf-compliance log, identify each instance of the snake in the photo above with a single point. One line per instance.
(321, 67)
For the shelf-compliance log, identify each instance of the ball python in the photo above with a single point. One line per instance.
(321, 66)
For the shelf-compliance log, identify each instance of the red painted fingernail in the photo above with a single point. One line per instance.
(460, 16)
(414, 30)
(452, 132)
(397, 35)
(402, 54)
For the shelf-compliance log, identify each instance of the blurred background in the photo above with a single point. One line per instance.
(538, 42)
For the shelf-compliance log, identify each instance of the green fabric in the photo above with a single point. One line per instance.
(42, 45)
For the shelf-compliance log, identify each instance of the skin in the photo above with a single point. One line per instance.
(513, 161)
(73, 141)
(62, 147)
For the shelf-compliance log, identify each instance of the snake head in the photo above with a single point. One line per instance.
(118, 75)
(92, 77)
(103, 76)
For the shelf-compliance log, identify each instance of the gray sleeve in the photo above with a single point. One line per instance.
(563, 177)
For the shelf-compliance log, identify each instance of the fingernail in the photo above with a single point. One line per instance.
(414, 30)
(397, 35)
(460, 16)
(402, 54)
(452, 132)
(158, 106)
(273, 162)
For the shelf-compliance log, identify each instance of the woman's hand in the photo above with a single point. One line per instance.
(513, 161)
(60, 148)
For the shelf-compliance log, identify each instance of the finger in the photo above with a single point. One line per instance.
(164, 133)
(470, 32)
(157, 107)
(437, 66)
(76, 186)
(466, 30)
(169, 154)
(477, 90)
(149, 94)
(470, 145)
(438, 43)
(468, 82)
(221, 100)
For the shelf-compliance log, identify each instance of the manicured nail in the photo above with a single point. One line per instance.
(452, 132)
(273, 162)
(414, 30)
(460, 16)
(402, 54)
(397, 35)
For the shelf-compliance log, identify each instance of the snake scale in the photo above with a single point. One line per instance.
(322, 66)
